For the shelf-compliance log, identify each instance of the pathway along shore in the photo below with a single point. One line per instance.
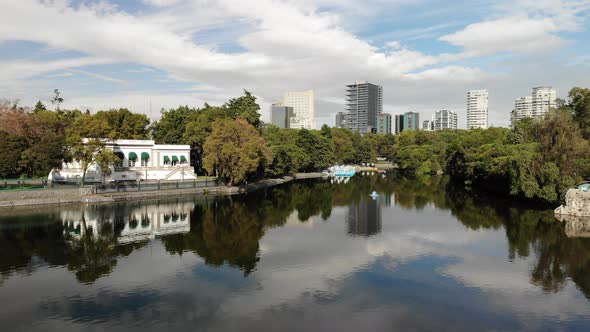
(44, 197)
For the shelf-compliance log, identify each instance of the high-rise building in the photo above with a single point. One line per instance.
(364, 104)
(523, 108)
(544, 98)
(411, 121)
(477, 109)
(407, 121)
(340, 120)
(427, 125)
(399, 124)
(444, 119)
(280, 115)
(384, 123)
(302, 103)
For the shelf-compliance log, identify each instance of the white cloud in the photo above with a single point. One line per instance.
(280, 46)
(507, 34)
(160, 3)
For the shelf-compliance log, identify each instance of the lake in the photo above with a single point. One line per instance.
(305, 256)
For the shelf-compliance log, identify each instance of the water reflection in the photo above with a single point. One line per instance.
(271, 256)
(364, 217)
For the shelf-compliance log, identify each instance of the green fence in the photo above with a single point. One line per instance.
(34, 184)
(155, 185)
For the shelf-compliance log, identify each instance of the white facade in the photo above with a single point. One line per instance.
(141, 160)
(139, 223)
(303, 109)
(477, 109)
(543, 99)
(427, 125)
(444, 119)
(536, 105)
(523, 108)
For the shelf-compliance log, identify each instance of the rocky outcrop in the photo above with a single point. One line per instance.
(577, 203)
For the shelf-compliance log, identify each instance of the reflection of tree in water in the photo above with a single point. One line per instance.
(228, 230)
(94, 255)
(557, 256)
(59, 243)
(23, 237)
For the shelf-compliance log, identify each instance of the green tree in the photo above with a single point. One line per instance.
(104, 160)
(198, 127)
(171, 127)
(124, 124)
(39, 107)
(87, 140)
(579, 105)
(10, 150)
(235, 150)
(57, 99)
(318, 150)
(244, 107)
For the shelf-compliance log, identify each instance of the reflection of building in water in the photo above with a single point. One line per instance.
(576, 226)
(135, 223)
(364, 217)
(386, 199)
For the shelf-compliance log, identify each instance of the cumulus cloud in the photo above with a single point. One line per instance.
(270, 47)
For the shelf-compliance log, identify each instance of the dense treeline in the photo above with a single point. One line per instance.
(538, 159)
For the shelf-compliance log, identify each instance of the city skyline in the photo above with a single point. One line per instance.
(190, 52)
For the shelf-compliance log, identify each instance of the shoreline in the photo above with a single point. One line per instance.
(15, 200)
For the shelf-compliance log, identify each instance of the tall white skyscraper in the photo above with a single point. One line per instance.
(477, 109)
(303, 109)
(544, 98)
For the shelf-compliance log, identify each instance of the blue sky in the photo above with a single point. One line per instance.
(425, 53)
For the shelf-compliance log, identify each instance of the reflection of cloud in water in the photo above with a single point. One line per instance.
(505, 283)
(297, 260)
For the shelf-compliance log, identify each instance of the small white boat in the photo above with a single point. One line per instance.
(374, 195)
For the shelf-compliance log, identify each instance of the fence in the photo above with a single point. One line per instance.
(153, 186)
(32, 184)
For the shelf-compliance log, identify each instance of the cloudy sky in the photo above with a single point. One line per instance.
(425, 53)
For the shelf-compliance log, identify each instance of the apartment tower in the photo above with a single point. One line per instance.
(364, 104)
(444, 119)
(477, 109)
(543, 99)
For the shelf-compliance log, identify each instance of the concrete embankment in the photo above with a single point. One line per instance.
(577, 204)
(45, 197)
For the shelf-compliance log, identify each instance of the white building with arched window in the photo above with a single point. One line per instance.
(140, 160)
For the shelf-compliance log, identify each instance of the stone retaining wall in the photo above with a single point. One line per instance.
(577, 203)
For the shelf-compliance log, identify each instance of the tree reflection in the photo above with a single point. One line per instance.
(228, 230)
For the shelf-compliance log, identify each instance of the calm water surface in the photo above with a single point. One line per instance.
(308, 256)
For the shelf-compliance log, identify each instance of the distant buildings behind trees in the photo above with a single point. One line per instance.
(542, 99)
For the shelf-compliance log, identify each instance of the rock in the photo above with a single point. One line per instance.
(577, 203)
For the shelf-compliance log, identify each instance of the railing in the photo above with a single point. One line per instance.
(30, 184)
(116, 187)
